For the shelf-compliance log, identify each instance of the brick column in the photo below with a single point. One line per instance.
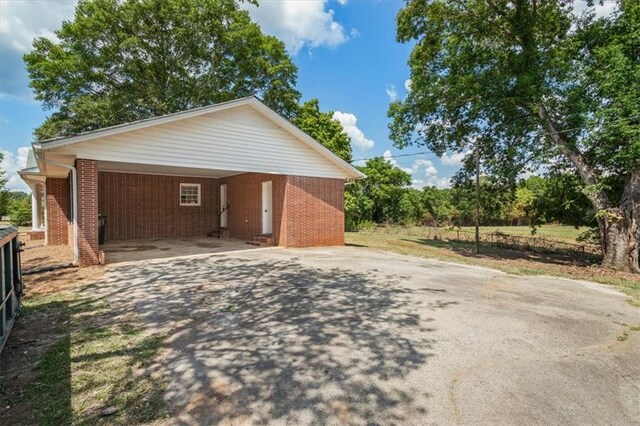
(57, 220)
(87, 212)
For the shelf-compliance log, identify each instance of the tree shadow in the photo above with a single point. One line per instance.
(467, 249)
(264, 340)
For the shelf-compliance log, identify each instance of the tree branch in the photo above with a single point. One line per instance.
(588, 174)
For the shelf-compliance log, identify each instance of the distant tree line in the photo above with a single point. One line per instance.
(15, 204)
(386, 196)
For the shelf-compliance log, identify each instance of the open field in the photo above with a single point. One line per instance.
(566, 233)
(511, 261)
(562, 233)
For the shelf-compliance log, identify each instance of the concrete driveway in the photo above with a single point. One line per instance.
(353, 336)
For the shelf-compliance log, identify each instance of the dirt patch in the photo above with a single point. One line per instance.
(42, 323)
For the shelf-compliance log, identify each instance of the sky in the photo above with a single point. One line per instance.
(345, 50)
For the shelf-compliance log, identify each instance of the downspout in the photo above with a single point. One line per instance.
(74, 196)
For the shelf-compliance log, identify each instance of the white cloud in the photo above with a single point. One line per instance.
(387, 155)
(423, 172)
(11, 163)
(343, 2)
(299, 23)
(355, 33)
(601, 10)
(455, 159)
(426, 165)
(392, 93)
(439, 182)
(349, 122)
(20, 23)
(407, 85)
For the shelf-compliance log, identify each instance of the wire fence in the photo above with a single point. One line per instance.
(538, 244)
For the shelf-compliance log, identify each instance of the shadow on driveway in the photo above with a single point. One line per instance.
(272, 340)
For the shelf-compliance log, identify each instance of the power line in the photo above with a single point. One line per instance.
(544, 133)
(392, 156)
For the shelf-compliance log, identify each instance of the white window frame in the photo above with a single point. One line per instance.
(190, 185)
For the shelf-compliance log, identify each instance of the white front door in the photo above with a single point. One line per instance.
(223, 205)
(267, 217)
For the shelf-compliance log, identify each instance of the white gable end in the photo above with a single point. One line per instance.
(237, 140)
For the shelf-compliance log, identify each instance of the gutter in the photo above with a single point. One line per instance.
(74, 192)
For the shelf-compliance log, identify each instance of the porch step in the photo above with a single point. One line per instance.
(265, 240)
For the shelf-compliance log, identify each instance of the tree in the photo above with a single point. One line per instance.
(323, 128)
(437, 203)
(121, 61)
(495, 201)
(532, 84)
(380, 196)
(20, 209)
(522, 206)
(3, 192)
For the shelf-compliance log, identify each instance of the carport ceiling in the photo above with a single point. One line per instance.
(112, 166)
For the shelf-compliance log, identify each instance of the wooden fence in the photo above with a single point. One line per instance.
(11, 281)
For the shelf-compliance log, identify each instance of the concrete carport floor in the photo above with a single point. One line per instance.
(355, 336)
(158, 248)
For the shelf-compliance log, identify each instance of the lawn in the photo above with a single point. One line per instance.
(69, 360)
(507, 260)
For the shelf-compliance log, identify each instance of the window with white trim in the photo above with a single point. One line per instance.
(189, 194)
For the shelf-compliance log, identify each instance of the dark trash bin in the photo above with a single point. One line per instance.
(102, 225)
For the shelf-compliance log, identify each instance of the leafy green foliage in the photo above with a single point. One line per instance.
(3, 192)
(384, 196)
(609, 85)
(323, 128)
(121, 61)
(379, 197)
(438, 206)
(19, 208)
(531, 84)
(483, 71)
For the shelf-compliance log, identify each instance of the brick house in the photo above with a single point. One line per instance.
(236, 165)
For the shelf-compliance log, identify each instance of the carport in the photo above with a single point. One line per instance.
(117, 252)
(237, 167)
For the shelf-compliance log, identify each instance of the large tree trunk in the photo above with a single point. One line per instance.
(619, 227)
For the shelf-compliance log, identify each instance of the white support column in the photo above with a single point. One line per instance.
(36, 208)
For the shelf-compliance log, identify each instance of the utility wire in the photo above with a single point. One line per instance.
(544, 133)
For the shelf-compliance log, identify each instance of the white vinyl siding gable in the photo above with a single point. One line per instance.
(237, 140)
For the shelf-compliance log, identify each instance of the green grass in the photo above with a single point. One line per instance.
(96, 362)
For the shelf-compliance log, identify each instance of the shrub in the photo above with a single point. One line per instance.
(20, 211)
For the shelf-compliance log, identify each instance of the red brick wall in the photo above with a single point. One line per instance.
(314, 211)
(140, 206)
(307, 211)
(88, 251)
(57, 220)
(244, 194)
